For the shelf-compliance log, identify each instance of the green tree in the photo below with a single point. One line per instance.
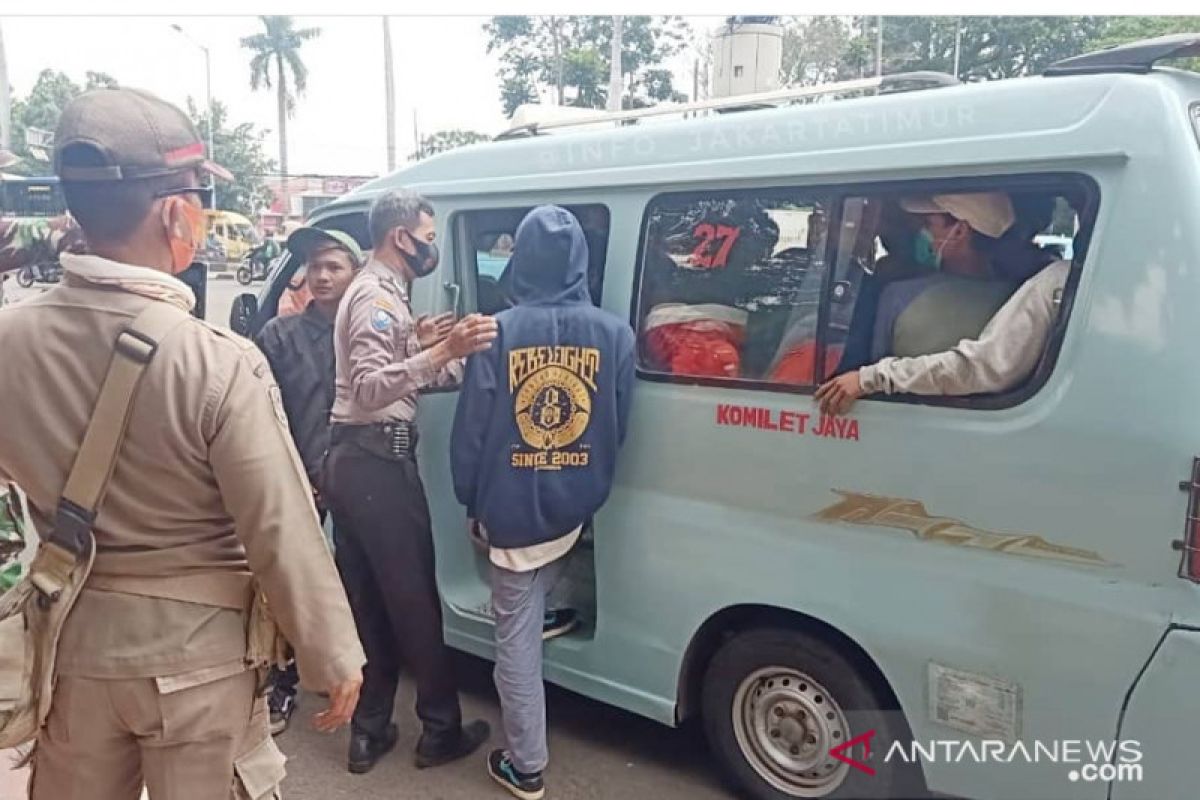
(41, 108)
(446, 140)
(238, 148)
(279, 46)
(568, 57)
(1122, 30)
(990, 48)
(100, 80)
(817, 50)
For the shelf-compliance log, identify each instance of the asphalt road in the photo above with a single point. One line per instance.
(597, 752)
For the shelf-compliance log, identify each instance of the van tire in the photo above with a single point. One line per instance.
(245, 276)
(779, 674)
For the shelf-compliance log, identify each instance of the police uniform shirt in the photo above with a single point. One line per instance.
(380, 364)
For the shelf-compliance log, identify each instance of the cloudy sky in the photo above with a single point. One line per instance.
(442, 72)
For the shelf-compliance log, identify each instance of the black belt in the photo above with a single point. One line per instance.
(394, 441)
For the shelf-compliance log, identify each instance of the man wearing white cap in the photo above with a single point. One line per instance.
(960, 235)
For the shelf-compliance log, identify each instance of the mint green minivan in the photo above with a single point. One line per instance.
(988, 596)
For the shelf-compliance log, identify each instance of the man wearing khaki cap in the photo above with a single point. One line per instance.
(155, 683)
(1002, 321)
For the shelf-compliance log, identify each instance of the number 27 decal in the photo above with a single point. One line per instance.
(715, 243)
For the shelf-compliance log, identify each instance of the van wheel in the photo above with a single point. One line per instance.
(775, 702)
(244, 276)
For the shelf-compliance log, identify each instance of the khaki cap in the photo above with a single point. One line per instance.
(304, 240)
(135, 133)
(990, 213)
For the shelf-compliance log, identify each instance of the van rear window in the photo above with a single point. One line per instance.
(781, 289)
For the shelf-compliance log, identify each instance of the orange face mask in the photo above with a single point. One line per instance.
(185, 231)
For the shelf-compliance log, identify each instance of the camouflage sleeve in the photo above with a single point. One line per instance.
(25, 241)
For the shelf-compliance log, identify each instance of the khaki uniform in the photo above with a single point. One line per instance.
(381, 525)
(208, 488)
(380, 364)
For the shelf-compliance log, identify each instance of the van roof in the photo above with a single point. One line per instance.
(1071, 117)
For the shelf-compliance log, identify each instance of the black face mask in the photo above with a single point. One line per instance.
(425, 260)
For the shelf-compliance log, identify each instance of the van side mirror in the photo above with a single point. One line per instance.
(242, 314)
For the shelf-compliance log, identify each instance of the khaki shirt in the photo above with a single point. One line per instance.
(380, 364)
(207, 482)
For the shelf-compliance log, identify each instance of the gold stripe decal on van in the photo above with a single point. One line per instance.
(910, 515)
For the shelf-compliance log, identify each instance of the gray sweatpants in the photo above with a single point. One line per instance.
(519, 602)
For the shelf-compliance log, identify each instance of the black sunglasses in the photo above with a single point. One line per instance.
(205, 193)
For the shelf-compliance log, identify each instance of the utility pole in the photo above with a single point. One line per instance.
(389, 87)
(417, 136)
(879, 47)
(614, 74)
(957, 43)
(212, 116)
(5, 101)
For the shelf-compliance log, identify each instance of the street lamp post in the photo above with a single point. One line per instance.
(212, 117)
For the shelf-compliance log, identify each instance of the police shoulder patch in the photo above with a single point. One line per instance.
(381, 320)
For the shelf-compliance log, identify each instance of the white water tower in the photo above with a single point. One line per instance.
(748, 56)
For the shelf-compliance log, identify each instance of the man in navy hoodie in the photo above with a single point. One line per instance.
(540, 418)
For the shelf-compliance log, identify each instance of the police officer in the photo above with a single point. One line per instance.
(153, 684)
(382, 533)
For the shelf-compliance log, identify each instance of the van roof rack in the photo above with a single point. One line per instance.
(1135, 57)
(904, 81)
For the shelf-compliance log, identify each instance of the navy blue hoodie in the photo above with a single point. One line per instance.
(542, 412)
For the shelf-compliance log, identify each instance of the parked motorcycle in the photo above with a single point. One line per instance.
(46, 272)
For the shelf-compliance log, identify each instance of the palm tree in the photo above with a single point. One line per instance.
(280, 45)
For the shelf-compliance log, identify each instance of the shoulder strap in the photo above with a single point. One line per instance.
(97, 456)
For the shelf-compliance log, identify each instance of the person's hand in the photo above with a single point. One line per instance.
(476, 534)
(836, 396)
(342, 700)
(471, 334)
(431, 330)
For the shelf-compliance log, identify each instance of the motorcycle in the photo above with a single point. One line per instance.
(46, 272)
(253, 268)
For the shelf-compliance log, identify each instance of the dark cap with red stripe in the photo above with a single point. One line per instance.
(127, 134)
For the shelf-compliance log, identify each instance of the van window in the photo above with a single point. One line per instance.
(723, 274)
(781, 289)
(487, 238)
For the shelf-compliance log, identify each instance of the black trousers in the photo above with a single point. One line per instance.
(384, 551)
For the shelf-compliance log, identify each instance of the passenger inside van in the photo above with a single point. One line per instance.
(968, 255)
(1004, 354)
(717, 286)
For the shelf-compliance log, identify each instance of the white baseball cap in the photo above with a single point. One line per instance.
(990, 213)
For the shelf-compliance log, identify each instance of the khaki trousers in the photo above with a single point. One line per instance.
(105, 738)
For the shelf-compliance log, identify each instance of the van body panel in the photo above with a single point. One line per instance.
(1030, 544)
(1161, 719)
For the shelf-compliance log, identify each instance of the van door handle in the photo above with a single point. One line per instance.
(455, 292)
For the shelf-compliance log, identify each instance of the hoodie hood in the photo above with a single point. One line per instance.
(549, 264)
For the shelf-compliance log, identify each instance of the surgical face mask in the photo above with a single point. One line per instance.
(925, 254)
(184, 238)
(424, 260)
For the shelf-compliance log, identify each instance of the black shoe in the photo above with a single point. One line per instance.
(559, 621)
(527, 786)
(282, 707)
(365, 750)
(469, 738)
